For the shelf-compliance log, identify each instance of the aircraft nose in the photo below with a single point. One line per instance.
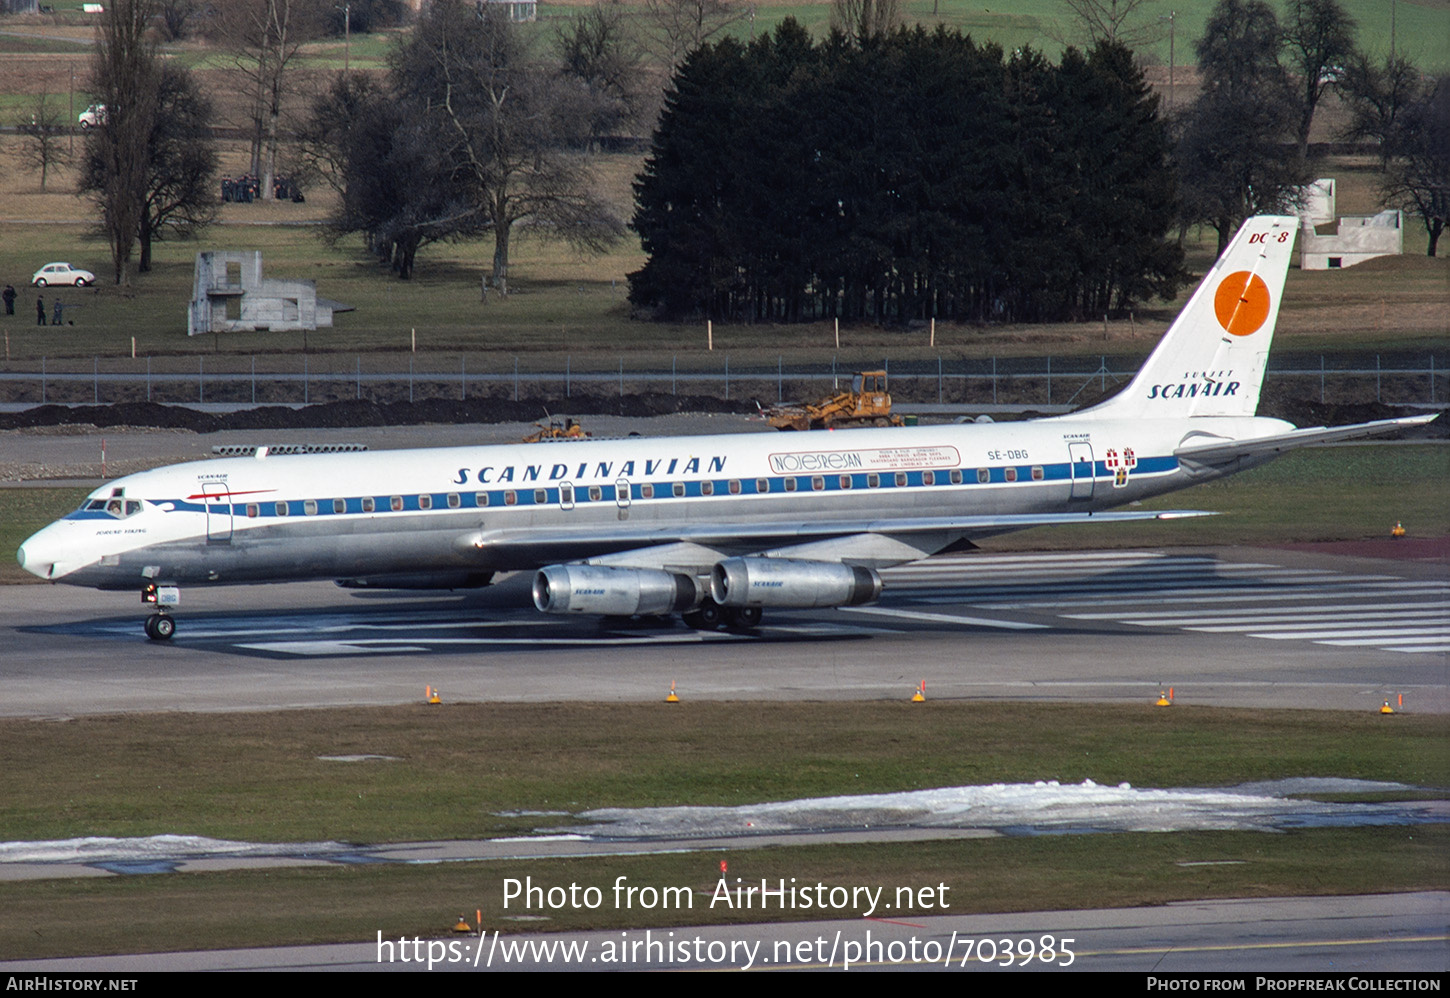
(29, 562)
(44, 554)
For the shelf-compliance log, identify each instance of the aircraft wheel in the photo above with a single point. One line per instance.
(708, 616)
(742, 618)
(160, 627)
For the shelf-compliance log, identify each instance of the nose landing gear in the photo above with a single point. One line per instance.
(160, 626)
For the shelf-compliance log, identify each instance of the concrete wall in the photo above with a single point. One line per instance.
(1360, 238)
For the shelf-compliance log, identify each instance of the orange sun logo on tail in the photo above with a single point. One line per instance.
(1241, 303)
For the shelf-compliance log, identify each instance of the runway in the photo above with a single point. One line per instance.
(1232, 626)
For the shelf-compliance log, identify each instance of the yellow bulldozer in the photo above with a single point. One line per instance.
(866, 404)
(569, 429)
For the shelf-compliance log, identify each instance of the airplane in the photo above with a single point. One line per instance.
(713, 528)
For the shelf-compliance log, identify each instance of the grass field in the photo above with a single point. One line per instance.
(256, 777)
(462, 770)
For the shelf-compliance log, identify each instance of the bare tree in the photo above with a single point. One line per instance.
(597, 47)
(42, 147)
(507, 125)
(863, 19)
(1127, 22)
(469, 136)
(673, 28)
(1231, 153)
(1418, 179)
(265, 37)
(1319, 36)
(1377, 94)
(176, 17)
(125, 76)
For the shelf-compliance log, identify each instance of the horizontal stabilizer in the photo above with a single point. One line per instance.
(1212, 452)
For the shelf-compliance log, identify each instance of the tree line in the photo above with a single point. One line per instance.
(903, 176)
(882, 174)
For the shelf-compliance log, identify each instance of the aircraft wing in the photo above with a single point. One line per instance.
(1213, 452)
(527, 547)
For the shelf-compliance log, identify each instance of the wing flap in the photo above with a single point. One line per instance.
(524, 547)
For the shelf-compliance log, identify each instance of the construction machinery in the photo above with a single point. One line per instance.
(866, 404)
(569, 429)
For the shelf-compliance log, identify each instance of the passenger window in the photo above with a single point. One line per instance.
(900, 479)
(873, 481)
(1010, 474)
(396, 503)
(480, 499)
(679, 489)
(956, 476)
(707, 488)
(762, 485)
(595, 493)
(309, 507)
(1037, 473)
(734, 486)
(281, 509)
(817, 483)
(846, 481)
(425, 502)
(984, 475)
(252, 510)
(928, 478)
(339, 505)
(368, 505)
(541, 496)
(646, 491)
(790, 484)
(510, 498)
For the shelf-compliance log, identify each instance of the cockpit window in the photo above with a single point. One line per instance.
(117, 506)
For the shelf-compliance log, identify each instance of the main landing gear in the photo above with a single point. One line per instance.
(711, 616)
(160, 625)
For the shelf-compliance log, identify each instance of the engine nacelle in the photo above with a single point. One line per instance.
(786, 582)
(612, 592)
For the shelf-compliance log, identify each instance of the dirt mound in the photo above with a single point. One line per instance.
(363, 413)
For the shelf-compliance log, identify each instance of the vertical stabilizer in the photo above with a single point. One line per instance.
(1211, 361)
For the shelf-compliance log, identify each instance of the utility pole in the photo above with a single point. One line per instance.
(1170, 18)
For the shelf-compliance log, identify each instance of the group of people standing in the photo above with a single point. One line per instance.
(247, 189)
(9, 295)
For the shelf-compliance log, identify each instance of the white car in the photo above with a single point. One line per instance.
(61, 273)
(92, 116)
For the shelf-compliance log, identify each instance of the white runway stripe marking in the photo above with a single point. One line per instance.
(1309, 618)
(1195, 593)
(945, 618)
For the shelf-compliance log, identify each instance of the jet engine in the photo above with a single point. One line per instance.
(612, 592)
(786, 582)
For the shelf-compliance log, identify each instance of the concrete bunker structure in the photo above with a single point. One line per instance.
(229, 294)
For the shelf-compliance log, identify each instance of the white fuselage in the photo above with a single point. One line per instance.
(470, 511)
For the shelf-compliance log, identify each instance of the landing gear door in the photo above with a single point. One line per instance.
(217, 498)
(1080, 459)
